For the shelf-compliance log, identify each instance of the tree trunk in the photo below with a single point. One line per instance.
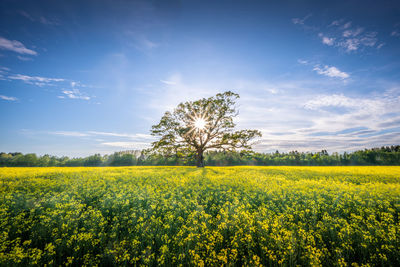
(200, 159)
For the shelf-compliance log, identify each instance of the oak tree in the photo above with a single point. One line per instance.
(197, 126)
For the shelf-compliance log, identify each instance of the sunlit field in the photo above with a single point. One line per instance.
(279, 216)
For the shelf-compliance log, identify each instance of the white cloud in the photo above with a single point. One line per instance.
(127, 145)
(168, 82)
(8, 98)
(41, 19)
(331, 72)
(348, 33)
(174, 79)
(48, 21)
(335, 23)
(70, 133)
(369, 39)
(326, 40)
(395, 33)
(334, 143)
(340, 100)
(141, 41)
(24, 58)
(347, 25)
(380, 46)
(302, 61)
(300, 21)
(129, 141)
(26, 15)
(15, 46)
(3, 72)
(137, 136)
(352, 44)
(336, 122)
(289, 120)
(37, 80)
(74, 94)
(131, 136)
(350, 38)
(272, 90)
(147, 43)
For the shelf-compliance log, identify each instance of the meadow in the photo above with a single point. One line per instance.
(232, 216)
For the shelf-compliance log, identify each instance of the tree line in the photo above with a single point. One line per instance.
(375, 156)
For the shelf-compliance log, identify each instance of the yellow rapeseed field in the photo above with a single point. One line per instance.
(254, 216)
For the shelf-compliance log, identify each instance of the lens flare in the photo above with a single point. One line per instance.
(200, 123)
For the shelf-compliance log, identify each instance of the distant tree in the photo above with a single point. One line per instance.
(5, 159)
(195, 127)
(94, 160)
(122, 159)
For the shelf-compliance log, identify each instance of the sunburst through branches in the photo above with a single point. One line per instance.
(200, 124)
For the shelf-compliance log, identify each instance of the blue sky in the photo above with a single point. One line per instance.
(84, 77)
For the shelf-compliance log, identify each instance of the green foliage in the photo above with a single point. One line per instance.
(122, 159)
(179, 135)
(389, 156)
(170, 216)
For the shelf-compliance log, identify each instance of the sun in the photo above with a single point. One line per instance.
(200, 123)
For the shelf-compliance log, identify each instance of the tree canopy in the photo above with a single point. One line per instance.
(197, 126)
(389, 155)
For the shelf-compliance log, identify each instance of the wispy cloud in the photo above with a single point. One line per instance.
(355, 32)
(396, 30)
(74, 94)
(41, 19)
(8, 98)
(24, 58)
(174, 79)
(15, 46)
(306, 122)
(115, 140)
(331, 72)
(354, 43)
(168, 82)
(311, 122)
(137, 136)
(127, 145)
(36, 80)
(354, 38)
(3, 72)
(395, 33)
(141, 41)
(300, 20)
(326, 40)
(343, 35)
(380, 46)
(131, 136)
(346, 25)
(70, 133)
(336, 23)
(70, 88)
(339, 100)
(302, 61)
